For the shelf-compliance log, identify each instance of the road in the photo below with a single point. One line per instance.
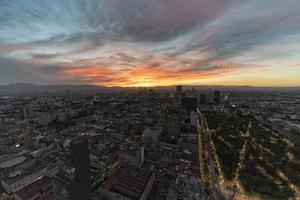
(208, 173)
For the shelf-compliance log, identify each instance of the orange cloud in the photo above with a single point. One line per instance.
(150, 74)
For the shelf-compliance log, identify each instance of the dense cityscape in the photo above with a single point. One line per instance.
(178, 143)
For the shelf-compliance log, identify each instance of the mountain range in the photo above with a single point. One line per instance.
(23, 88)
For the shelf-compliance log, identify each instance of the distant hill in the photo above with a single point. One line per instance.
(32, 88)
(23, 88)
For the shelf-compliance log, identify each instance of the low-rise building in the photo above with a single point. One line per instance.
(15, 183)
(129, 183)
(38, 190)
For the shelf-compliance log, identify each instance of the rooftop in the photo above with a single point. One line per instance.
(38, 190)
(129, 182)
(13, 162)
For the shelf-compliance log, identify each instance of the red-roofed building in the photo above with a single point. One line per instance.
(129, 183)
(38, 190)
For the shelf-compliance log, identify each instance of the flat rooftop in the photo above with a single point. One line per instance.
(129, 181)
(38, 190)
(12, 162)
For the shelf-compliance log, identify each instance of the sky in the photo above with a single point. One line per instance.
(150, 42)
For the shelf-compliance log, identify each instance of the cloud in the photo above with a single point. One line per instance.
(8, 48)
(128, 42)
(149, 73)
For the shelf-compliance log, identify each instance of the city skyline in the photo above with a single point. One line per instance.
(150, 42)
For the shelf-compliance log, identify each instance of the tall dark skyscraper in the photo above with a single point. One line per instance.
(217, 96)
(179, 89)
(189, 103)
(80, 154)
(202, 99)
(172, 121)
(193, 90)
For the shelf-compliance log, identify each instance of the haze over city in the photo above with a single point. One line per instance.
(150, 42)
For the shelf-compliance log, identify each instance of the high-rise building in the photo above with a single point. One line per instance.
(194, 117)
(26, 112)
(189, 103)
(150, 137)
(202, 99)
(172, 122)
(217, 96)
(80, 154)
(194, 90)
(179, 89)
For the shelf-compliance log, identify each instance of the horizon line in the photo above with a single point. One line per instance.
(116, 86)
